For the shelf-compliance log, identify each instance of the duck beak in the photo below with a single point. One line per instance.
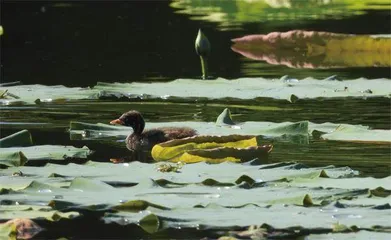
(117, 122)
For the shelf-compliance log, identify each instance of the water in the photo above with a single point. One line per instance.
(79, 44)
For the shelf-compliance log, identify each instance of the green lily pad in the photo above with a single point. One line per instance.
(34, 212)
(200, 193)
(356, 134)
(242, 88)
(361, 235)
(249, 88)
(16, 150)
(17, 156)
(225, 118)
(19, 139)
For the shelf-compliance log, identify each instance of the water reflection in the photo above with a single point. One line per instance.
(231, 15)
(315, 50)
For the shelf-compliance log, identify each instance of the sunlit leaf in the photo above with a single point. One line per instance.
(354, 134)
(242, 88)
(210, 148)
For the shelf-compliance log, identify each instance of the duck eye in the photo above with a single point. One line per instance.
(128, 122)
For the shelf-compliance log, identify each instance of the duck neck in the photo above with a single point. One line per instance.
(138, 128)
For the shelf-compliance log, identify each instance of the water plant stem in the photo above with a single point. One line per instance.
(204, 67)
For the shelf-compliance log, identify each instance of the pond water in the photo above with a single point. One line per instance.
(78, 44)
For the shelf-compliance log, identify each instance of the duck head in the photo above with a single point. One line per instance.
(132, 119)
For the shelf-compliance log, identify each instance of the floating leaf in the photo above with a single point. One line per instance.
(19, 139)
(299, 128)
(34, 212)
(357, 134)
(137, 205)
(225, 118)
(150, 223)
(8, 230)
(17, 156)
(11, 159)
(213, 149)
(242, 88)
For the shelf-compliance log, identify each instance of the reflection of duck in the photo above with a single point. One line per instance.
(145, 140)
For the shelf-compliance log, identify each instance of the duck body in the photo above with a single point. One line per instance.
(149, 138)
(143, 140)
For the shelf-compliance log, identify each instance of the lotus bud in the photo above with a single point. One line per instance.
(202, 47)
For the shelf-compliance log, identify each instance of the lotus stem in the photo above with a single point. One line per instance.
(204, 67)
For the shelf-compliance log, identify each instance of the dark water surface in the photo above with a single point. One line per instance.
(80, 43)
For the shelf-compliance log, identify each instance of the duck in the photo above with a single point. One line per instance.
(142, 140)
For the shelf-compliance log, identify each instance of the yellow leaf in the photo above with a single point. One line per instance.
(213, 149)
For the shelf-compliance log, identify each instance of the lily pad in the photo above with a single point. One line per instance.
(353, 134)
(30, 94)
(212, 149)
(34, 212)
(41, 152)
(16, 150)
(200, 193)
(249, 88)
(20, 139)
(242, 88)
